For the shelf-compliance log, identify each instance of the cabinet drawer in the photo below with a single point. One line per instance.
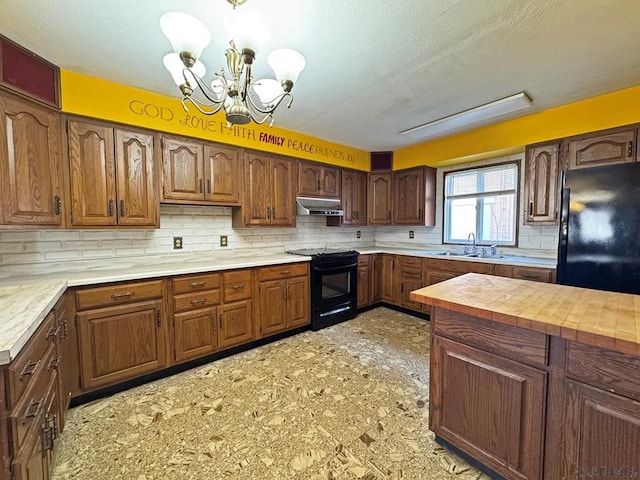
(505, 340)
(459, 266)
(533, 274)
(195, 283)
(616, 372)
(364, 260)
(118, 294)
(196, 300)
(237, 285)
(410, 263)
(283, 271)
(31, 360)
(33, 402)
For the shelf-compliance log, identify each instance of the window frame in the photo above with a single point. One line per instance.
(518, 192)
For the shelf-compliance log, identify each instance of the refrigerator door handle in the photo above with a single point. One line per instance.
(563, 234)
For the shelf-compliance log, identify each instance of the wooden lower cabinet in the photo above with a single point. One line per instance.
(602, 433)
(411, 277)
(284, 299)
(195, 334)
(235, 324)
(365, 278)
(121, 342)
(390, 290)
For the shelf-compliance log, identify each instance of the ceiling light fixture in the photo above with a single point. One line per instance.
(242, 98)
(474, 117)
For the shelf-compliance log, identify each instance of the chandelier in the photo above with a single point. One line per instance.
(242, 98)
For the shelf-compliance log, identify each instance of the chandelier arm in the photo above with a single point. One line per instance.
(206, 90)
(254, 106)
(199, 106)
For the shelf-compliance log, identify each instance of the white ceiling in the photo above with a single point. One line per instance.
(374, 67)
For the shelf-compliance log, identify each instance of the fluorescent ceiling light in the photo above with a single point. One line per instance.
(468, 119)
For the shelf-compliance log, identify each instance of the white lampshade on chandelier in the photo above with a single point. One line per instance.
(242, 98)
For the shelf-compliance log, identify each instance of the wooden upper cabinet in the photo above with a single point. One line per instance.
(601, 148)
(354, 197)
(92, 170)
(138, 202)
(222, 175)
(183, 169)
(414, 196)
(200, 173)
(112, 175)
(316, 180)
(268, 193)
(379, 199)
(30, 164)
(541, 184)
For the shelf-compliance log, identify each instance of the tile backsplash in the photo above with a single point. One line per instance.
(201, 227)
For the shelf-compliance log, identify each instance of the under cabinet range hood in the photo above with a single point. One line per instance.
(329, 207)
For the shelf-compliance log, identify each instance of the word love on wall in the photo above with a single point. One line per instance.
(94, 97)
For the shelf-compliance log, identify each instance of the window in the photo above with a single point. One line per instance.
(482, 201)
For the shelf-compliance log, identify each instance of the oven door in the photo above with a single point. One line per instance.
(333, 285)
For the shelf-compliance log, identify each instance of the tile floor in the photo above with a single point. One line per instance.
(347, 402)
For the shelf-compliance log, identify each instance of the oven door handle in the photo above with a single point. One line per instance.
(337, 269)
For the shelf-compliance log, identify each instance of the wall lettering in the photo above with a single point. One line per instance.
(150, 110)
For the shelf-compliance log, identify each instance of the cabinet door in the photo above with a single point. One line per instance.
(436, 276)
(541, 179)
(273, 307)
(257, 189)
(92, 174)
(379, 199)
(183, 169)
(408, 197)
(195, 334)
(31, 462)
(222, 174)
(137, 186)
(364, 286)
(389, 280)
(602, 432)
(283, 209)
(354, 197)
(68, 352)
(330, 182)
(118, 343)
(408, 285)
(601, 149)
(490, 407)
(298, 302)
(309, 179)
(235, 324)
(30, 164)
(376, 279)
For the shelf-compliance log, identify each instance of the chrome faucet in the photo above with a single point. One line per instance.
(473, 249)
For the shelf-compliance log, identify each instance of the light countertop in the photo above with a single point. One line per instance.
(604, 319)
(27, 297)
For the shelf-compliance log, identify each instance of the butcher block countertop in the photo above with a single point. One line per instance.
(604, 319)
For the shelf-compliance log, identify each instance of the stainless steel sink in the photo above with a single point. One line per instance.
(481, 255)
(452, 254)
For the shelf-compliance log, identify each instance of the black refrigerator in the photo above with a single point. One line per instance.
(599, 241)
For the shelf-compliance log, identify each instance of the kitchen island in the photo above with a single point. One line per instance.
(534, 380)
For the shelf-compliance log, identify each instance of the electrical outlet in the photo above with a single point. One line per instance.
(358, 234)
(177, 243)
(223, 241)
(410, 233)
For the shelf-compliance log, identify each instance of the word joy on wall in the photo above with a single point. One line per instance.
(220, 127)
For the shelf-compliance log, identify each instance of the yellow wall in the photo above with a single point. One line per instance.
(94, 97)
(597, 113)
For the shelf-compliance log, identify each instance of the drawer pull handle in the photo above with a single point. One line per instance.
(240, 286)
(29, 369)
(110, 207)
(122, 210)
(197, 284)
(208, 186)
(285, 272)
(33, 409)
(630, 149)
(220, 321)
(65, 329)
(122, 295)
(528, 276)
(198, 301)
(53, 363)
(57, 205)
(53, 331)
